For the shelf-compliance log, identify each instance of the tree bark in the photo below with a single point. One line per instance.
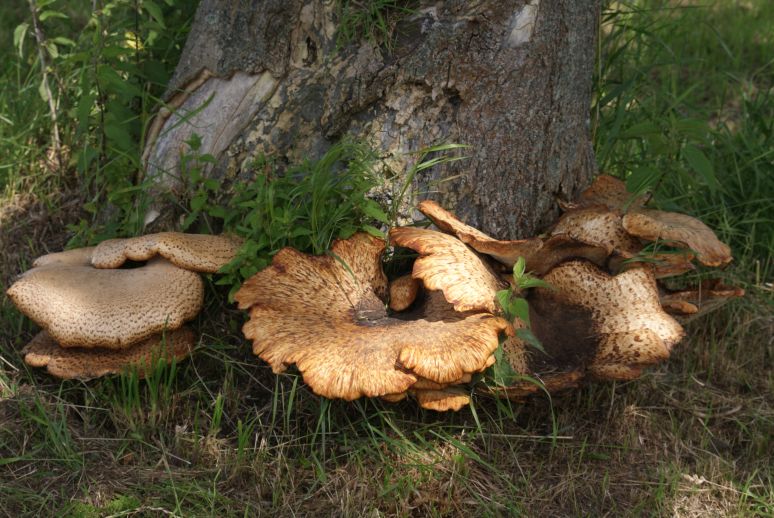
(512, 79)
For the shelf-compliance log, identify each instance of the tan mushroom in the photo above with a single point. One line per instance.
(325, 315)
(609, 192)
(540, 255)
(76, 256)
(613, 324)
(448, 265)
(403, 292)
(80, 363)
(598, 226)
(81, 306)
(680, 229)
(195, 252)
(691, 303)
(442, 400)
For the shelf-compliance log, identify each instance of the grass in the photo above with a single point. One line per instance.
(220, 435)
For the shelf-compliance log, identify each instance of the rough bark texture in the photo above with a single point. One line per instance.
(510, 78)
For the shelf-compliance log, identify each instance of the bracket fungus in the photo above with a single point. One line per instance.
(326, 315)
(81, 306)
(82, 363)
(195, 252)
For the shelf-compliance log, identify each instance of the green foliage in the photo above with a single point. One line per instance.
(108, 63)
(370, 20)
(306, 206)
(516, 308)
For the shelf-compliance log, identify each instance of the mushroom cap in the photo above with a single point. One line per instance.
(76, 256)
(403, 292)
(442, 400)
(81, 306)
(540, 255)
(694, 302)
(680, 229)
(80, 363)
(448, 265)
(196, 252)
(614, 324)
(324, 314)
(598, 226)
(609, 192)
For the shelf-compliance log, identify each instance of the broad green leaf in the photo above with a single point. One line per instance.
(528, 282)
(641, 180)
(701, 164)
(45, 15)
(529, 337)
(641, 129)
(519, 268)
(520, 308)
(18, 36)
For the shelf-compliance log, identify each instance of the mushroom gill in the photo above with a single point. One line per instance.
(82, 363)
(325, 314)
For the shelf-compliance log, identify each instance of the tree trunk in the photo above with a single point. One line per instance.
(512, 79)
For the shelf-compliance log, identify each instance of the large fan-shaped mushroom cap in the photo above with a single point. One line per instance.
(80, 363)
(324, 314)
(677, 228)
(196, 252)
(613, 324)
(448, 265)
(81, 306)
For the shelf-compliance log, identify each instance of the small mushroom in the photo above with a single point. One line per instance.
(81, 306)
(195, 252)
(403, 292)
(325, 315)
(82, 363)
(442, 400)
(691, 303)
(680, 229)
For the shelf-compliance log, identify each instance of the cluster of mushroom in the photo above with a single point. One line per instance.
(605, 317)
(100, 314)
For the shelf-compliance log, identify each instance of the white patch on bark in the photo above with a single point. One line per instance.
(523, 24)
(217, 111)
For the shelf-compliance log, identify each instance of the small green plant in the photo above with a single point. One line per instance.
(516, 309)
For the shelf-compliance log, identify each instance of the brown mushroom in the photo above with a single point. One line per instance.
(609, 192)
(598, 226)
(680, 229)
(195, 252)
(540, 255)
(442, 400)
(81, 306)
(403, 292)
(76, 256)
(81, 363)
(692, 303)
(448, 265)
(324, 314)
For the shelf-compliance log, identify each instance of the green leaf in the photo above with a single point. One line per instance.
(18, 36)
(519, 268)
(371, 209)
(520, 308)
(504, 299)
(374, 231)
(45, 15)
(529, 337)
(641, 129)
(528, 282)
(701, 164)
(155, 11)
(641, 180)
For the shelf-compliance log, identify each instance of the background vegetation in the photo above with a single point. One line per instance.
(684, 101)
